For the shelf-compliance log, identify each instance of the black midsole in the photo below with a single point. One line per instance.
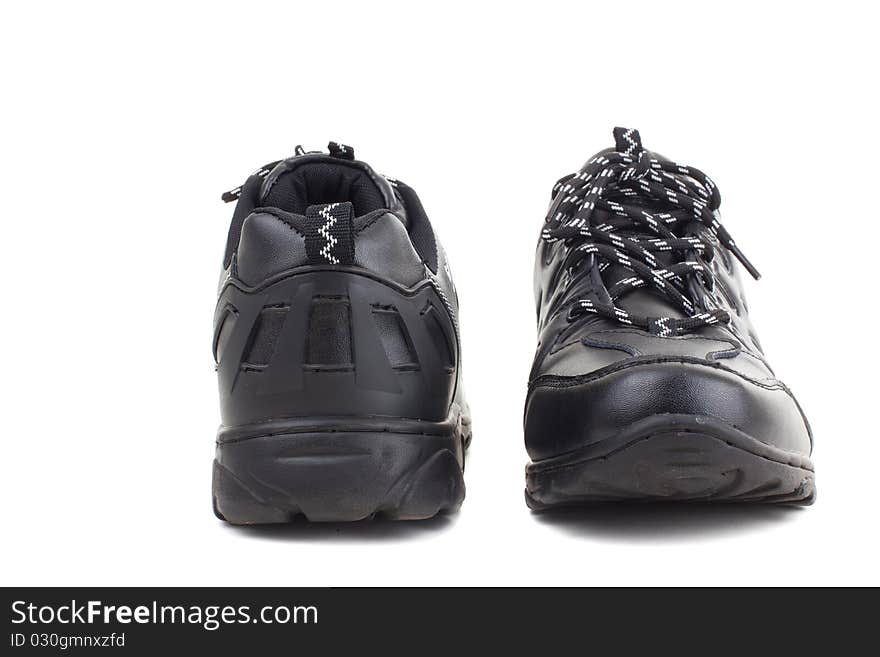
(665, 423)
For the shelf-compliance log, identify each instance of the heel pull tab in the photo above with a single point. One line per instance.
(329, 235)
(340, 151)
(627, 141)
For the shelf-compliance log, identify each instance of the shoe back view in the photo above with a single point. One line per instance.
(337, 350)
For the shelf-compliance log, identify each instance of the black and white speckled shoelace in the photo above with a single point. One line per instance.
(606, 212)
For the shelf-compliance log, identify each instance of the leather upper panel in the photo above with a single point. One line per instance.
(383, 246)
(592, 342)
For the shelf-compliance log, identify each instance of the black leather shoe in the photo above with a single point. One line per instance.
(337, 350)
(649, 382)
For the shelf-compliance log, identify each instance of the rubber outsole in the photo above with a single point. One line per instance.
(672, 458)
(336, 470)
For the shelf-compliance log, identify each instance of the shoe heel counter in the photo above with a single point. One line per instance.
(268, 245)
(383, 246)
(331, 343)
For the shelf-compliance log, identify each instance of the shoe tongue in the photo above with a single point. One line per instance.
(644, 301)
(316, 179)
(647, 300)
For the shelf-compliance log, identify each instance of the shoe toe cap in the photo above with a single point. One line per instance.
(564, 414)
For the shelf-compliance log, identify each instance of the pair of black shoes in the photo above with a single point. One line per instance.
(337, 348)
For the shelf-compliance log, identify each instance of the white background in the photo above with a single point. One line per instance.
(121, 126)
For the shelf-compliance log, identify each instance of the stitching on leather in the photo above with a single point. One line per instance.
(724, 353)
(734, 350)
(556, 344)
(370, 223)
(556, 381)
(556, 350)
(732, 329)
(671, 337)
(602, 344)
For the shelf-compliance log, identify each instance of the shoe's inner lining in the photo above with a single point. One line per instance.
(316, 183)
